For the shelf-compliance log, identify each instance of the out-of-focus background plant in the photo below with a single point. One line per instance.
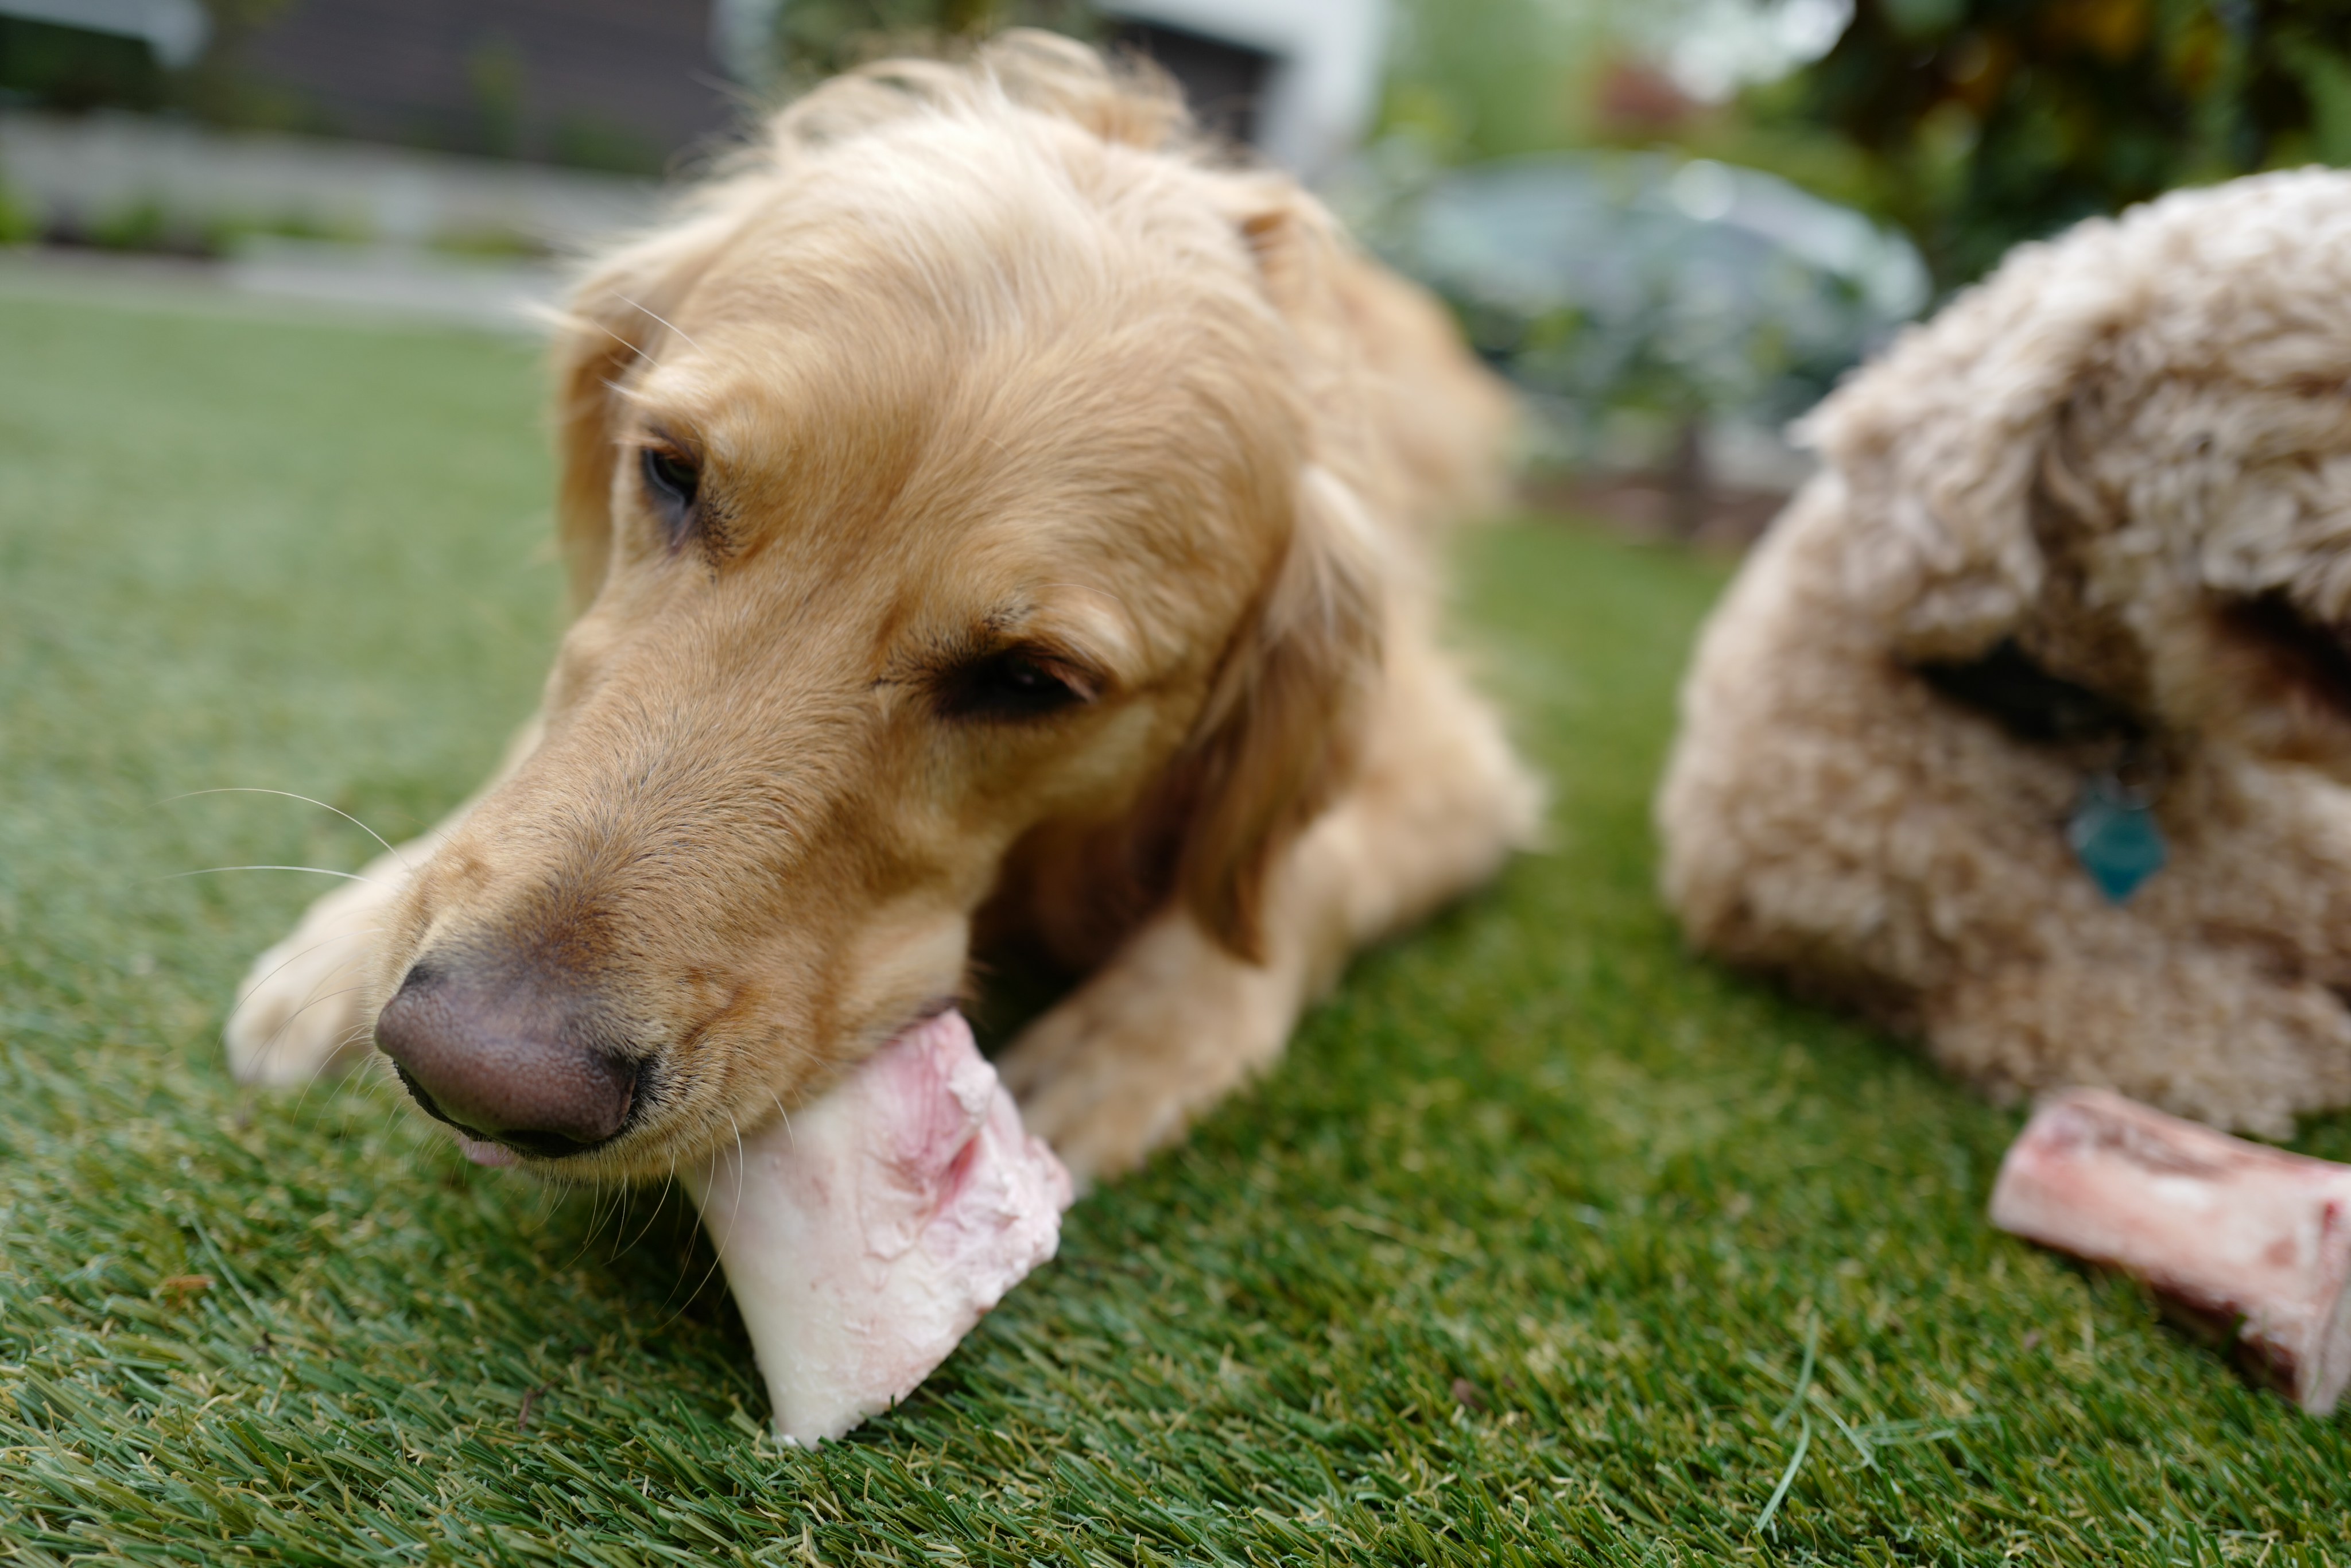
(1671, 315)
(1675, 223)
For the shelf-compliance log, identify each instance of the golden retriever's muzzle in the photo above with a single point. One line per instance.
(505, 1056)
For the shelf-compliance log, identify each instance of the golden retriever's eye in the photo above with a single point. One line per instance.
(1011, 685)
(672, 480)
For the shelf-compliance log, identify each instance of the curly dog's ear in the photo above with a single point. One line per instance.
(1283, 726)
(607, 330)
(1939, 444)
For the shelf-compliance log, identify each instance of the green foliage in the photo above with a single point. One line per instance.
(1483, 79)
(815, 39)
(243, 15)
(491, 244)
(70, 70)
(1997, 121)
(148, 225)
(17, 223)
(594, 141)
(1515, 1258)
(494, 80)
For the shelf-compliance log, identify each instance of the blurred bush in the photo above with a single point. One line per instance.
(1972, 123)
(1591, 184)
(17, 225)
(1991, 121)
(814, 39)
(70, 68)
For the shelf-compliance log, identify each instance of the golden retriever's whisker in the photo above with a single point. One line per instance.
(277, 1034)
(292, 958)
(595, 1219)
(621, 1223)
(651, 1212)
(395, 1109)
(739, 1157)
(377, 1073)
(550, 1197)
(310, 998)
(624, 342)
(288, 794)
(343, 1042)
(698, 1287)
(665, 321)
(348, 1039)
(715, 1259)
(315, 870)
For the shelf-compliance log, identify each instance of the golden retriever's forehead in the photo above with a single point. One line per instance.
(1141, 426)
(986, 226)
(891, 273)
(834, 382)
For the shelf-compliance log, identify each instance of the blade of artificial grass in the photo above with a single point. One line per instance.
(1787, 1478)
(1805, 1374)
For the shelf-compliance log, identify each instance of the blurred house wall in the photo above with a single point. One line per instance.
(627, 85)
(79, 173)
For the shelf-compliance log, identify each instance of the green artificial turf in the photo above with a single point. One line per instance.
(1518, 1257)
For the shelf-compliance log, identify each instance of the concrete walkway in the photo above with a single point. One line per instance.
(414, 224)
(81, 171)
(290, 280)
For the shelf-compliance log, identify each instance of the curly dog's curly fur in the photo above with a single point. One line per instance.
(2123, 466)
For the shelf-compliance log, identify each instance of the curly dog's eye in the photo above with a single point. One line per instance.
(1012, 685)
(672, 480)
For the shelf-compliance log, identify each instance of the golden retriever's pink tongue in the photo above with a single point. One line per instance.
(864, 1237)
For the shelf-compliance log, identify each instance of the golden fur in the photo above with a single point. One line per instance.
(2129, 452)
(976, 362)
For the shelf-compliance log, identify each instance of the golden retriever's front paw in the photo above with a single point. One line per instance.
(1101, 1110)
(1171, 1027)
(301, 1008)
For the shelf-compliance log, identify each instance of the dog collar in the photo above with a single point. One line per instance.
(2112, 828)
(2114, 836)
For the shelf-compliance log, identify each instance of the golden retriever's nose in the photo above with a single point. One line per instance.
(503, 1060)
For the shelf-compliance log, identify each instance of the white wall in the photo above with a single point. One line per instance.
(1323, 86)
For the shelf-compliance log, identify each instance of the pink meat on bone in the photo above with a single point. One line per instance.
(866, 1234)
(2231, 1233)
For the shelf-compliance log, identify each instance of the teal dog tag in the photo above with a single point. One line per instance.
(2116, 837)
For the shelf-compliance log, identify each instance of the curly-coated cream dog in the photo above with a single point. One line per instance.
(992, 519)
(2025, 728)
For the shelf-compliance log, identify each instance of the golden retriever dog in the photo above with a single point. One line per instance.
(994, 522)
(2027, 728)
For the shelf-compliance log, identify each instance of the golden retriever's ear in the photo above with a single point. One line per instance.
(1939, 444)
(1283, 726)
(608, 328)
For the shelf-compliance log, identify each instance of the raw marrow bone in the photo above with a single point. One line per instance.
(866, 1234)
(2235, 1236)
